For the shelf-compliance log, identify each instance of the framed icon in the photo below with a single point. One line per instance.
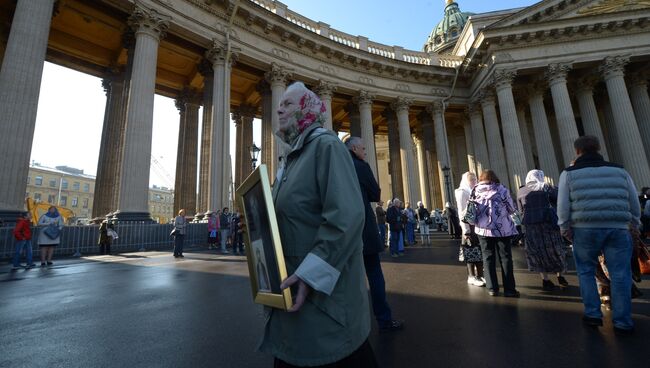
(266, 264)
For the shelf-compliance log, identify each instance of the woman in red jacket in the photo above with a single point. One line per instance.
(23, 235)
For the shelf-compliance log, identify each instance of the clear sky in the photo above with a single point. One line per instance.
(71, 105)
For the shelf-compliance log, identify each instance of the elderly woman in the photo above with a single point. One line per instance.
(544, 245)
(50, 227)
(320, 215)
(495, 230)
(470, 250)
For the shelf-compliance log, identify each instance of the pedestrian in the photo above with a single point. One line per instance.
(224, 229)
(179, 234)
(213, 229)
(396, 227)
(597, 207)
(105, 238)
(411, 220)
(545, 252)
(381, 222)
(23, 235)
(237, 240)
(423, 219)
(320, 217)
(438, 219)
(49, 237)
(495, 230)
(470, 248)
(453, 221)
(372, 244)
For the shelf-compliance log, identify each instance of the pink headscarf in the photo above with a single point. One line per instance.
(310, 109)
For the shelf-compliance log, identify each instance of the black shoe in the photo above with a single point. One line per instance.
(623, 331)
(42, 264)
(49, 263)
(511, 294)
(493, 292)
(181, 256)
(548, 285)
(592, 322)
(394, 325)
(562, 281)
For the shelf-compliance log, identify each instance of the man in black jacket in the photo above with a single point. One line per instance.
(372, 245)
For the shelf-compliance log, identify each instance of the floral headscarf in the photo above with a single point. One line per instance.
(311, 110)
(535, 180)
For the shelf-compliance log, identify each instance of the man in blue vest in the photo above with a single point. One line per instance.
(597, 208)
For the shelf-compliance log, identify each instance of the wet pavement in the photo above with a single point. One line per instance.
(151, 310)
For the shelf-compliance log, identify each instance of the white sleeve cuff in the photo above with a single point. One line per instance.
(318, 274)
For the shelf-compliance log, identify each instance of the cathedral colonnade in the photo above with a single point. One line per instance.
(425, 117)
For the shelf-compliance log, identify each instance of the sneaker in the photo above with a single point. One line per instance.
(401, 254)
(476, 281)
(14, 268)
(470, 280)
(592, 322)
(493, 292)
(394, 325)
(394, 255)
(548, 285)
(562, 281)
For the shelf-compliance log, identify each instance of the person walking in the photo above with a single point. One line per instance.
(423, 219)
(224, 229)
(411, 220)
(372, 245)
(395, 227)
(495, 230)
(179, 238)
(237, 236)
(320, 214)
(381, 222)
(597, 207)
(543, 243)
(470, 248)
(23, 235)
(49, 237)
(213, 229)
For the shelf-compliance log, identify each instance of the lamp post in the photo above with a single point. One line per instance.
(446, 171)
(255, 151)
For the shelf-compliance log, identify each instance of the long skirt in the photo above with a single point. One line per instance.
(545, 248)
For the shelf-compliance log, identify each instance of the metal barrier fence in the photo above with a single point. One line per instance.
(83, 240)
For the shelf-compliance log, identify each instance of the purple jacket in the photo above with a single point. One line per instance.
(494, 209)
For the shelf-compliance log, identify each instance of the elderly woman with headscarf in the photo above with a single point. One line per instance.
(543, 243)
(470, 250)
(50, 226)
(320, 215)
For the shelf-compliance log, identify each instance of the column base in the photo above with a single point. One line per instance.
(9, 217)
(141, 217)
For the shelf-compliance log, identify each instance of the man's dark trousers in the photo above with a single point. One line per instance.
(377, 290)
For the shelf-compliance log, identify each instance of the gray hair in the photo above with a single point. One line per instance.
(353, 141)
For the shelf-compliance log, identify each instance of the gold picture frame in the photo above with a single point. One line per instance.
(264, 254)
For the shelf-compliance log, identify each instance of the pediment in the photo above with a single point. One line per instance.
(550, 10)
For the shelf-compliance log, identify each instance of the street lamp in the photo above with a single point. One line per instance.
(255, 151)
(446, 171)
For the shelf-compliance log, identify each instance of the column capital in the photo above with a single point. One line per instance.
(106, 85)
(401, 104)
(180, 102)
(216, 55)
(638, 79)
(244, 111)
(148, 21)
(364, 98)
(537, 89)
(205, 68)
(557, 72)
(614, 66)
(388, 114)
(435, 107)
(486, 97)
(587, 83)
(128, 39)
(502, 78)
(473, 109)
(277, 75)
(325, 89)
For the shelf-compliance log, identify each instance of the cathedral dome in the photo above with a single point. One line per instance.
(444, 36)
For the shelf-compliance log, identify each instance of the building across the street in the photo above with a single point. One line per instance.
(70, 188)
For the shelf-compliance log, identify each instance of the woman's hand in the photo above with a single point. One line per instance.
(303, 291)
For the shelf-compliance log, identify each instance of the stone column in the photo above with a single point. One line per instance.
(611, 140)
(355, 119)
(179, 187)
(588, 112)
(364, 101)
(149, 28)
(511, 132)
(529, 147)
(627, 130)
(638, 83)
(220, 165)
(190, 151)
(277, 78)
(205, 68)
(543, 139)
(20, 86)
(469, 146)
(557, 79)
(428, 139)
(264, 89)
(325, 90)
(493, 135)
(442, 149)
(478, 138)
(422, 170)
(395, 160)
(243, 118)
(411, 192)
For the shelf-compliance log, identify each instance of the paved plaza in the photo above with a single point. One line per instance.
(151, 310)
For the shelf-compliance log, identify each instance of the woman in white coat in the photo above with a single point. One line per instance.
(470, 250)
(50, 226)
